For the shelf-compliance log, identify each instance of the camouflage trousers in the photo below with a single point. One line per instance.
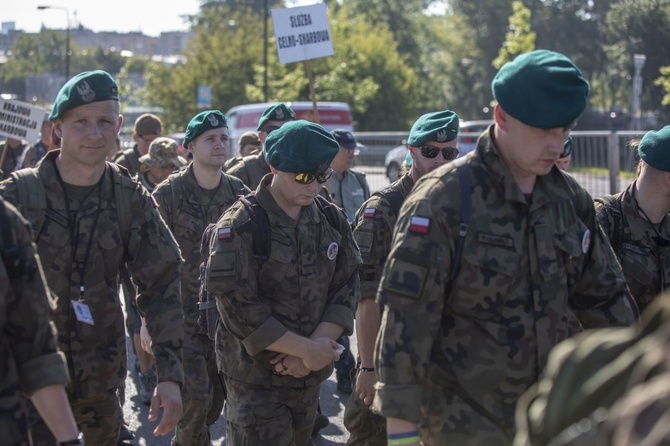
(202, 395)
(280, 416)
(365, 427)
(13, 421)
(98, 418)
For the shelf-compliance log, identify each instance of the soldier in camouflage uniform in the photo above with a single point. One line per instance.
(30, 363)
(283, 267)
(97, 219)
(431, 143)
(12, 153)
(189, 201)
(607, 387)
(490, 254)
(147, 128)
(251, 169)
(637, 223)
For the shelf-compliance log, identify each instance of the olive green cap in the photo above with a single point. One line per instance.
(441, 126)
(542, 89)
(84, 88)
(203, 121)
(301, 147)
(278, 112)
(654, 148)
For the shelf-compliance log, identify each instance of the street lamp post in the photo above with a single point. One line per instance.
(639, 60)
(67, 36)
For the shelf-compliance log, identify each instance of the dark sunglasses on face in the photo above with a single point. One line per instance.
(270, 128)
(449, 153)
(307, 178)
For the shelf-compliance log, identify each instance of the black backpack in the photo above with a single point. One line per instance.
(259, 225)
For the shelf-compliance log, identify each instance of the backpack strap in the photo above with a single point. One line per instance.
(32, 200)
(466, 212)
(258, 224)
(393, 196)
(614, 219)
(128, 207)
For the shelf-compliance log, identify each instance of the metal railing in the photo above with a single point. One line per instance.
(602, 161)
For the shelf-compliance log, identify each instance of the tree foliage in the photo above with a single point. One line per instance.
(519, 39)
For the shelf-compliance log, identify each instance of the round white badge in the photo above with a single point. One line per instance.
(586, 241)
(332, 251)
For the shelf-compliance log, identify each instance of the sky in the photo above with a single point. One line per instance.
(150, 17)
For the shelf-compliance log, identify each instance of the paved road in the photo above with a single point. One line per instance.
(135, 413)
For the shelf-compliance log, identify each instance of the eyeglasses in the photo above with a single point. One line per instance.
(449, 153)
(148, 139)
(307, 178)
(270, 128)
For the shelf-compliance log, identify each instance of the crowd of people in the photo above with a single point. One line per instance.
(472, 282)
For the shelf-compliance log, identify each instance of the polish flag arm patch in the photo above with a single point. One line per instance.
(369, 213)
(224, 233)
(419, 224)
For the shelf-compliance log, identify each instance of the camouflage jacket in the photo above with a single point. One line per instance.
(373, 231)
(349, 191)
(28, 356)
(250, 169)
(187, 211)
(524, 264)
(130, 159)
(91, 241)
(643, 251)
(605, 387)
(309, 277)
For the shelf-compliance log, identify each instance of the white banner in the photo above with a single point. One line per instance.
(19, 120)
(302, 33)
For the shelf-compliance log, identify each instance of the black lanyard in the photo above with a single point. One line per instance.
(75, 233)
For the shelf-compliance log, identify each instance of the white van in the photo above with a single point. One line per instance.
(243, 118)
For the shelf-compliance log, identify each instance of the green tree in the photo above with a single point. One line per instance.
(519, 39)
(639, 27)
(664, 82)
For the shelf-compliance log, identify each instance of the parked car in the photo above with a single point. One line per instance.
(468, 133)
(332, 115)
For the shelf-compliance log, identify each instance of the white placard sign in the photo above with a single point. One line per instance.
(19, 120)
(302, 33)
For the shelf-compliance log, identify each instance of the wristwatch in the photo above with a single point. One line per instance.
(79, 441)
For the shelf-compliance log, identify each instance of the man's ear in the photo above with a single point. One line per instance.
(500, 117)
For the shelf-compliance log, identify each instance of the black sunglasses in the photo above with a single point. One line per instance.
(449, 153)
(307, 178)
(270, 128)
(568, 146)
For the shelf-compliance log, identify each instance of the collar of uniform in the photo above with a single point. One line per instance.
(275, 214)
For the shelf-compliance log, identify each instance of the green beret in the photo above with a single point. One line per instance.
(301, 147)
(277, 112)
(441, 126)
(654, 148)
(541, 89)
(203, 121)
(84, 88)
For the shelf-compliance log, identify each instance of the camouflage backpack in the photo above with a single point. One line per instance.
(17, 266)
(259, 225)
(32, 202)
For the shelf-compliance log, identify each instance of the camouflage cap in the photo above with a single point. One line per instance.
(542, 89)
(162, 153)
(278, 112)
(344, 138)
(203, 121)
(301, 147)
(148, 124)
(654, 148)
(441, 126)
(84, 88)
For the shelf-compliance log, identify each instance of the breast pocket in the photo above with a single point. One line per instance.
(570, 248)
(483, 283)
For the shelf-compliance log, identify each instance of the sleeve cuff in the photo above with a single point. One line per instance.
(340, 315)
(43, 371)
(398, 401)
(266, 334)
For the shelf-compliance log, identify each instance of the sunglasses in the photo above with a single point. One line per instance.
(307, 178)
(270, 128)
(449, 153)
